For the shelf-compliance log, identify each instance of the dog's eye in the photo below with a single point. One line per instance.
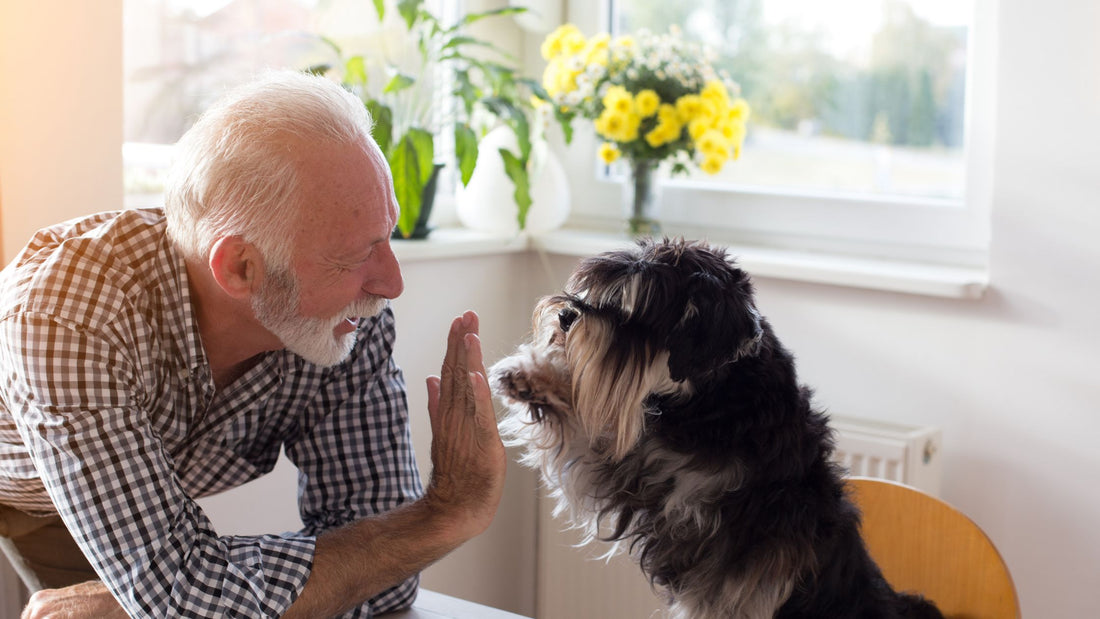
(566, 318)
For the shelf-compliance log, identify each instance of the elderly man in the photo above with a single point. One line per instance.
(150, 357)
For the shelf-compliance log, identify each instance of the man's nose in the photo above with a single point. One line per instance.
(386, 281)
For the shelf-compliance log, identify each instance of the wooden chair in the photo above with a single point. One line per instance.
(926, 546)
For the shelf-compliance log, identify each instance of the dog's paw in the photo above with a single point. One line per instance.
(512, 384)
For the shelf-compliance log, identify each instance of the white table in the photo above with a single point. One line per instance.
(432, 605)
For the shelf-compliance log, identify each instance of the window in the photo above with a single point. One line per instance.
(871, 128)
(179, 55)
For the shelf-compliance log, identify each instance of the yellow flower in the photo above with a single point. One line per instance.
(625, 41)
(660, 135)
(618, 99)
(740, 111)
(698, 127)
(618, 126)
(647, 102)
(732, 130)
(708, 110)
(716, 91)
(559, 78)
(713, 144)
(711, 165)
(667, 114)
(573, 43)
(554, 44)
(550, 77)
(688, 107)
(609, 152)
(595, 52)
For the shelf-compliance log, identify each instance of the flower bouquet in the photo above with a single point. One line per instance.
(651, 98)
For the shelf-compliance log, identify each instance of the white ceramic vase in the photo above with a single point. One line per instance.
(487, 204)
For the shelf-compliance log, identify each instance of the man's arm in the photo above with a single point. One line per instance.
(353, 563)
(356, 562)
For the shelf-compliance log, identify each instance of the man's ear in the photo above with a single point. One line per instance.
(236, 266)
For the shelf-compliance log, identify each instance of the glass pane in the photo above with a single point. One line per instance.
(848, 96)
(181, 54)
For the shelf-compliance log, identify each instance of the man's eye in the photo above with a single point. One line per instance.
(566, 318)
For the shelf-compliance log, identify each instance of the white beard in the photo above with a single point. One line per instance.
(276, 307)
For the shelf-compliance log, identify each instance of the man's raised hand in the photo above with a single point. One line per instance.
(468, 458)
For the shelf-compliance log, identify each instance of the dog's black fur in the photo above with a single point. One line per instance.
(726, 492)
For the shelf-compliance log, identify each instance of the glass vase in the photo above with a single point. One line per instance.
(642, 198)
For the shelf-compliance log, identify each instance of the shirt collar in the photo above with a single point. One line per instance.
(183, 325)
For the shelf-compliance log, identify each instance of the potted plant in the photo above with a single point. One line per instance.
(411, 110)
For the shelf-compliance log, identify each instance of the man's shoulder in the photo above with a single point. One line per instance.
(82, 268)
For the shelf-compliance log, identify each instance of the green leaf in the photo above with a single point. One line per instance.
(565, 119)
(502, 108)
(465, 151)
(424, 146)
(333, 44)
(318, 69)
(398, 82)
(355, 71)
(382, 129)
(457, 41)
(522, 129)
(535, 87)
(466, 90)
(516, 169)
(473, 17)
(380, 8)
(409, 10)
(515, 117)
(407, 185)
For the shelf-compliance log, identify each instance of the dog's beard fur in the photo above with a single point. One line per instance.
(664, 417)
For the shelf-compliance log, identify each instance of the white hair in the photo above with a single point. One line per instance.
(234, 171)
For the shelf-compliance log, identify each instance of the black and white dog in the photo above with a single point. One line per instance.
(664, 415)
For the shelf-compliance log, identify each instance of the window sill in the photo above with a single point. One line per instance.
(458, 243)
(955, 282)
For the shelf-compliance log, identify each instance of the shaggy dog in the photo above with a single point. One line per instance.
(664, 415)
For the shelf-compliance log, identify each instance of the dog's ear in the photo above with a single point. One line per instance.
(719, 325)
(611, 378)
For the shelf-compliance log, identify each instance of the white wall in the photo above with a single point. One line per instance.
(60, 113)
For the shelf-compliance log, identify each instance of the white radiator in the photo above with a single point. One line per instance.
(574, 584)
(897, 452)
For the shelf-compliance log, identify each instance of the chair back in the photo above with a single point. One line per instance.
(924, 545)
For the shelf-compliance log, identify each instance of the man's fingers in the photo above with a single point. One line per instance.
(483, 397)
(475, 361)
(450, 361)
(470, 321)
(433, 395)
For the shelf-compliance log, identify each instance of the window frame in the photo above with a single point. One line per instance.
(898, 228)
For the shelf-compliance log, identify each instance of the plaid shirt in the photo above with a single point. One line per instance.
(109, 416)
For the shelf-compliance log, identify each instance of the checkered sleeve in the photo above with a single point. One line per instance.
(355, 458)
(80, 409)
